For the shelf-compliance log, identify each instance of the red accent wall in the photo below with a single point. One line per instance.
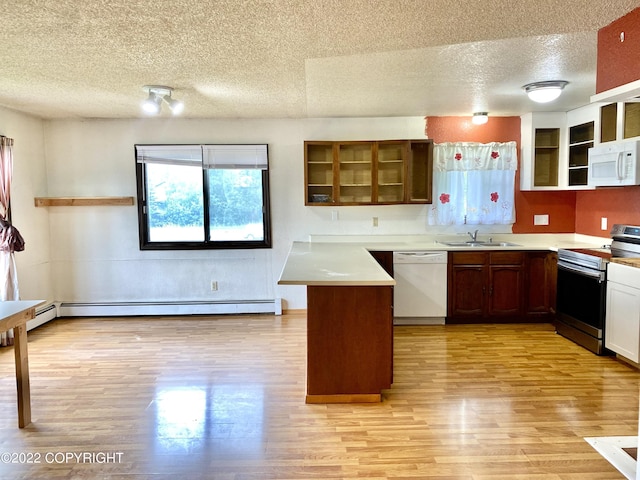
(619, 62)
(460, 129)
(617, 204)
(560, 206)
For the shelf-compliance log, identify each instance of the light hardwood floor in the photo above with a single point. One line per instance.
(223, 398)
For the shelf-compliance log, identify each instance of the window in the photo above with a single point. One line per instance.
(474, 183)
(203, 196)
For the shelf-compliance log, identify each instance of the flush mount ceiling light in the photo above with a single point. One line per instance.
(157, 93)
(480, 118)
(543, 92)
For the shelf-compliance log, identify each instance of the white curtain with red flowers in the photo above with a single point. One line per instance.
(473, 183)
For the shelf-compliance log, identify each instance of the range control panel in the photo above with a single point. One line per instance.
(625, 231)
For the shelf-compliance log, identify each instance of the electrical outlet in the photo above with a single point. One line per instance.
(541, 219)
(375, 221)
(214, 286)
(603, 223)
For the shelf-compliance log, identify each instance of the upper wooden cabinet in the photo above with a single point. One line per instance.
(555, 145)
(619, 121)
(555, 148)
(544, 151)
(318, 172)
(580, 141)
(368, 172)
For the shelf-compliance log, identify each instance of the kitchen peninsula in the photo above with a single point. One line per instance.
(349, 306)
(349, 321)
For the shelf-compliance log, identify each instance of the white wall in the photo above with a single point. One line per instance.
(92, 252)
(29, 177)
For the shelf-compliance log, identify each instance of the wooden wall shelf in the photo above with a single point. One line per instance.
(81, 201)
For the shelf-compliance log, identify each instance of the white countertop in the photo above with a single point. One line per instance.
(345, 259)
(332, 264)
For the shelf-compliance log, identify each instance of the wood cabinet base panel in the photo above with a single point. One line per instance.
(349, 341)
(497, 320)
(345, 398)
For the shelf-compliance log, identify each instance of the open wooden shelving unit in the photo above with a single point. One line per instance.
(377, 172)
(581, 139)
(546, 157)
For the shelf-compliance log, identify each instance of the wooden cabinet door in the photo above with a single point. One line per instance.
(420, 171)
(552, 280)
(468, 291)
(540, 285)
(505, 291)
(467, 285)
(622, 334)
(319, 173)
(389, 169)
(546, 157)
(537, 286)
(505, 284)
(356, 175)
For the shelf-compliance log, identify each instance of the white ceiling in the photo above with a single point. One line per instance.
(298, 58)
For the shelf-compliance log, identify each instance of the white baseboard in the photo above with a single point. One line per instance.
(43, 315)
(67, 309)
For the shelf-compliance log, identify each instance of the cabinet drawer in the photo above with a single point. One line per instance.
(620, 272)
(468, 258)
(506, 258)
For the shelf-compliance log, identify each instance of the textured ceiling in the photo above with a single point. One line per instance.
(298, 58)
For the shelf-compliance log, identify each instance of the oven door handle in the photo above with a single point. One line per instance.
(586, 272)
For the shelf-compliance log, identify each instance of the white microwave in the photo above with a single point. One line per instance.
(614, 164)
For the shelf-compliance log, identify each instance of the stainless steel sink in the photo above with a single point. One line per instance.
(480, 244)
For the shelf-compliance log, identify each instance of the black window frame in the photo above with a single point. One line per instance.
(143, 217)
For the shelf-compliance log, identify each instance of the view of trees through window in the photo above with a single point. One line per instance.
(203, 196)
(175, 203)
(235, 202)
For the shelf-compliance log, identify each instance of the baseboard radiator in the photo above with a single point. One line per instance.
(43, 315)
(66, 309)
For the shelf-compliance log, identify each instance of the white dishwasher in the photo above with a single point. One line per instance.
(420, 294)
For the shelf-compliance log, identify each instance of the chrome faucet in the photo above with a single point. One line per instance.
(474, 236)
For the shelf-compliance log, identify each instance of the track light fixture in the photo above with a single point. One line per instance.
(157, 93)
(544, 92)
